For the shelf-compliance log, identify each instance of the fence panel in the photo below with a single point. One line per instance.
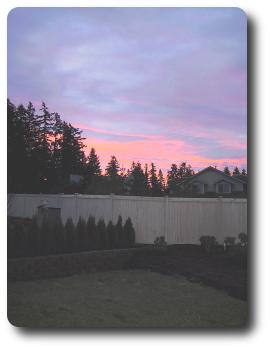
(180, 220)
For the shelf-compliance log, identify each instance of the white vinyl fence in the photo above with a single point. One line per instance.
(180, 220)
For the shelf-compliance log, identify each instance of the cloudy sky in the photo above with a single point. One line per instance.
(150, 84)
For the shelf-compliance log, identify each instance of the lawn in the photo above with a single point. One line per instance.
(126, 298)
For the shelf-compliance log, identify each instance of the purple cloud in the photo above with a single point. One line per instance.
(176, 73)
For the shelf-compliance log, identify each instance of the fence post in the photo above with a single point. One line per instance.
(166, 209)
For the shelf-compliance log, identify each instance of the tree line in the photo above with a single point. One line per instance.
(44, 150)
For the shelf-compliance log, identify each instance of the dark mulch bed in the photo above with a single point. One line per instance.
(222, 270)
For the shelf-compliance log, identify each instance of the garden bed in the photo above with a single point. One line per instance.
(223, 270)
(60, 265)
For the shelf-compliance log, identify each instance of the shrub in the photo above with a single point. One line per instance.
(47, 241)
(102, 233)
(160, 242)
(208, 243)
(129, 233)
(243, 239)
(59, 236)
(111, 230)
(81, 234)
(119, 233)
(92, 237)
(229, 241)
(34, 243)
(70, 236)
(11, 238)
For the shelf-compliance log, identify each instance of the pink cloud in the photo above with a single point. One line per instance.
(162, 152)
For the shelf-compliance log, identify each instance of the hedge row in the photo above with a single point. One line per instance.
(28, 238)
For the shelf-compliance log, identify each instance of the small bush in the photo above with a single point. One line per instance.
(81, 234)
(47, 239)
(70, 236)
(243, 239)
(34, 242)
(59, 236)
(129, 233)
(103, 236)
(229, 241)
(160, 242)
(92, 237)
(119, 234)
(111, 232)
(208, 243)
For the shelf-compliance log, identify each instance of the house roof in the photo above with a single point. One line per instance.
(210, 168)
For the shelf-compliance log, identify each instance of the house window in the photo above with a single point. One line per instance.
(223, 188)
(226, 188)
(196, 188)
(205, 187)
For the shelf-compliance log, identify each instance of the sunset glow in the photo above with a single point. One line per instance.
(144, 84)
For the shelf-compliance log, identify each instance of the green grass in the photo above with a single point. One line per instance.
(134, 298)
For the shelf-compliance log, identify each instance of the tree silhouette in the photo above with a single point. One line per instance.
(161, 182)
(236, 171)
(173, 179)
(153, 180)
(113, 167)
(227, 171)
(92, 165)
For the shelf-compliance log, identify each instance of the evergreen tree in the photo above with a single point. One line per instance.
(112, 168)
(146, 178)
(111, 235)
(102, 232)
(153, 180)
(56, 149)
(34, 238)
(72, 155)
(43, 146)
(91, 229)
(173, 179)
(81, 234)
(184, 171)
(59, 236)
(47, 237)
(227, 171)
(115, 183)
(244, 173)
(16, 150)
(138, 185)
(236, 171)
(92, 165)
(120, 239)
(71, 237)
(161, 182)
(129, 233)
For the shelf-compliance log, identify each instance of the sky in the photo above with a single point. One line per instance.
(144, 84)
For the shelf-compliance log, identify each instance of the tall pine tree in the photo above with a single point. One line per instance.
(153, 180)
(227, 171)
(236, 171)
(112, 168)
(92, 165)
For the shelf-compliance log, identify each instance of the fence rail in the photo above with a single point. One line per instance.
(180, 220)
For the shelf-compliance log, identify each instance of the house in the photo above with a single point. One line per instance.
(213, 182)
